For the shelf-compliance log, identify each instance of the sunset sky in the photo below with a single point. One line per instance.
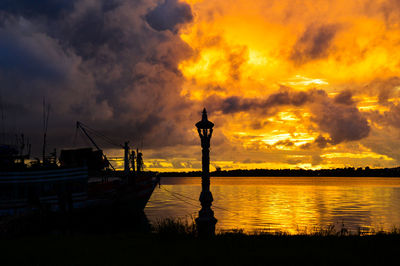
(288, 83)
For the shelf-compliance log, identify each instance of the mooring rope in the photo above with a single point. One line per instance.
(174, 194)
(184, 196)
(177, 197)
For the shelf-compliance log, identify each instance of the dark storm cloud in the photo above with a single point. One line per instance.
(338, 116)
(33, 55)
(294, 161)
(314, 43)
(286, 143)
(344, 97)
(321, 142)
(316, 160)
(386, 90)
(236, 61)
(95, 61)
(29, 8)
(168, 15)
(387, 118)
(383, 88)
(390, 9)
(238, 104)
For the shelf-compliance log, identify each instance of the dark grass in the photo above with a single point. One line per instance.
(173, 242)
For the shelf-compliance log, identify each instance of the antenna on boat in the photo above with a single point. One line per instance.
(3, 126)
(46, 114)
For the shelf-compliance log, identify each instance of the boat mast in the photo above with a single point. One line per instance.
(126, 158)
(45, 126)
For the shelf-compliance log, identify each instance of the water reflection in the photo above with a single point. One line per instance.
(290, 204)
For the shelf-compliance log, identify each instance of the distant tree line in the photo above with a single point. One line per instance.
(348, 171)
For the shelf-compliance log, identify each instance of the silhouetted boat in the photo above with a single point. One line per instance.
(83, 180)
(129, 189)
(46, 189)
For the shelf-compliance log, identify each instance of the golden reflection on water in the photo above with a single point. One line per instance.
(289, 204)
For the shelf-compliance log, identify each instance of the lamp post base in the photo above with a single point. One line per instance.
(206, 226)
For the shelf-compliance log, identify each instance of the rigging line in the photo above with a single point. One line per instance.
(106, 140)
(109, 141)
(97, 134)
(93, 131)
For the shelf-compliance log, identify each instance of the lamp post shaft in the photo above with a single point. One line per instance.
(205, 162)
(206, 220)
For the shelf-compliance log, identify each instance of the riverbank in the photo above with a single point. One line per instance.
(174, 243)
(225, 249)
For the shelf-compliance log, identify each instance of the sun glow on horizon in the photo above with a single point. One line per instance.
(343, 57)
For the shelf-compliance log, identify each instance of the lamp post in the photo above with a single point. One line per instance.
(206, 221)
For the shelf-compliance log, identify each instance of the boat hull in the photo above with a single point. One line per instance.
(131, 195)
(68, 189)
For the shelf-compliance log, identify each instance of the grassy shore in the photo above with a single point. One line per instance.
(175, 243)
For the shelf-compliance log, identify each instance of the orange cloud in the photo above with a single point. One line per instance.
(245, 53)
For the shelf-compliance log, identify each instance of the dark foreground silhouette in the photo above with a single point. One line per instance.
(96, 221)
(171, 243)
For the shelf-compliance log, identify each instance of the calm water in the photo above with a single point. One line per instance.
(291, 204)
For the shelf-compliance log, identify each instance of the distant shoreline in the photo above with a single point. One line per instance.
(338, 172)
